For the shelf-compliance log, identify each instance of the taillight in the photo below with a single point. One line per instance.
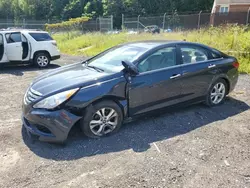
(236, 64)
(54, 43)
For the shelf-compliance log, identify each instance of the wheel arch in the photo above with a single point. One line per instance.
(41, 51)
(120, 101)
(223, 77)
(228, 84)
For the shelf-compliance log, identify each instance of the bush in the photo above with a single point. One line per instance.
(72, 24)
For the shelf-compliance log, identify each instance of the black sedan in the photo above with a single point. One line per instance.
(123, 82)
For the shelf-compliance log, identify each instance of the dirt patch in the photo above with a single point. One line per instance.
(192, 147)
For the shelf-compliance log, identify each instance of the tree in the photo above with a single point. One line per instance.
(73, 9)
(93, 9)
(65, 9)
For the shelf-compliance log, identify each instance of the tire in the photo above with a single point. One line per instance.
(95, 125)
(42, 60)
(218, 89)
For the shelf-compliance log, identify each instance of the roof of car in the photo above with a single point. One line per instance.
(157, 43)
(21, 30)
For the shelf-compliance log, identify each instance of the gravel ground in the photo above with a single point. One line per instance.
(192, 147)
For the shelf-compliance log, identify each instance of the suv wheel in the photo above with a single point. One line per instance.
(217, 93)
(102, 119)
(42, 60)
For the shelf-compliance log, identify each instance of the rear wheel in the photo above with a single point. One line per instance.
(42, 60)
(217, 93)
(102, 119)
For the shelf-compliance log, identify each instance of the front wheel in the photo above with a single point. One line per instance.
(42, 60)
(217, 93)
(102, 119)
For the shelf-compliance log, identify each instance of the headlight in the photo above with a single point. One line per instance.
(55, 100)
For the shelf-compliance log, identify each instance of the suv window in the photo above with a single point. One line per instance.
(41, 36)
(13, 37)
(193, 55)
(162, 58)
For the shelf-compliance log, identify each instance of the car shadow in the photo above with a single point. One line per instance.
(19, 70)
(137, 135)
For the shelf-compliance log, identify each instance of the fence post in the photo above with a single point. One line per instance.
(248, 16)
(199, 20)
(122, 21)
(112, 27)
(100, 24)
(7, 21)
(164, 20)
(96, 24)
(23, 23)
(138, 22)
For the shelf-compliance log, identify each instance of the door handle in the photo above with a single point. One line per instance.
(211, 66)
(175, 76)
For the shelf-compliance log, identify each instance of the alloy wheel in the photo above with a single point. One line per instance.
(42, 61)
(218, 93)
(104, 121)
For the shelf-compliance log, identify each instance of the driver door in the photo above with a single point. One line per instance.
(158, 83)
(14, 49)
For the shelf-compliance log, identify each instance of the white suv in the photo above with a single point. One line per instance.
(36, 47)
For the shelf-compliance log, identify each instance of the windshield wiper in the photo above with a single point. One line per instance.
(96, 68)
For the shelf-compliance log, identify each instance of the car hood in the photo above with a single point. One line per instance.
(67, 77)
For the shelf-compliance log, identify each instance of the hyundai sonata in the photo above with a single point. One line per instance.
(123, 82)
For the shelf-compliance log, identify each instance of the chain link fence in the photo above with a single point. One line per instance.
(177, 21)
(25, 24)
(166, 22)
(102, 24)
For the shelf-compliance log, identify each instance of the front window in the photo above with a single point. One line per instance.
(160, 59)
(111, 60)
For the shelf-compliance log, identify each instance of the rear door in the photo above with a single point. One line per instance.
(14, 49)
(157, 84)
(1, 48)
(197, 71)
(26, 48)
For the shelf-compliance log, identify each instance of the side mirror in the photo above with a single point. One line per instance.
(130, 67)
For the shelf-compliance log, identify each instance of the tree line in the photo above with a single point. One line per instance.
(66, 9)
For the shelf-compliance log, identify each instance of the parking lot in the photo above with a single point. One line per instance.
(192, 147)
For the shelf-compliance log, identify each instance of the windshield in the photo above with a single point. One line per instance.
(111, 60)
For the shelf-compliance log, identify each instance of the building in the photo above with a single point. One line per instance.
(230, 11)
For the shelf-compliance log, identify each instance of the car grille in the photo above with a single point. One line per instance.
(32, 95)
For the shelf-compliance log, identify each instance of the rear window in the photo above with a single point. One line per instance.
(41, 36)
(217, 54)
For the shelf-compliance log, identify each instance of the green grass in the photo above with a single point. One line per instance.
(234, 40)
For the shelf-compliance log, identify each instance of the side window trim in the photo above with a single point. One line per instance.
(2, 37)
(147, 55)
(159, 70)
(23, 36)
(7, 36)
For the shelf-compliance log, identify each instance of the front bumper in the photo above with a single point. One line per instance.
(49, 126)
(55, 57)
